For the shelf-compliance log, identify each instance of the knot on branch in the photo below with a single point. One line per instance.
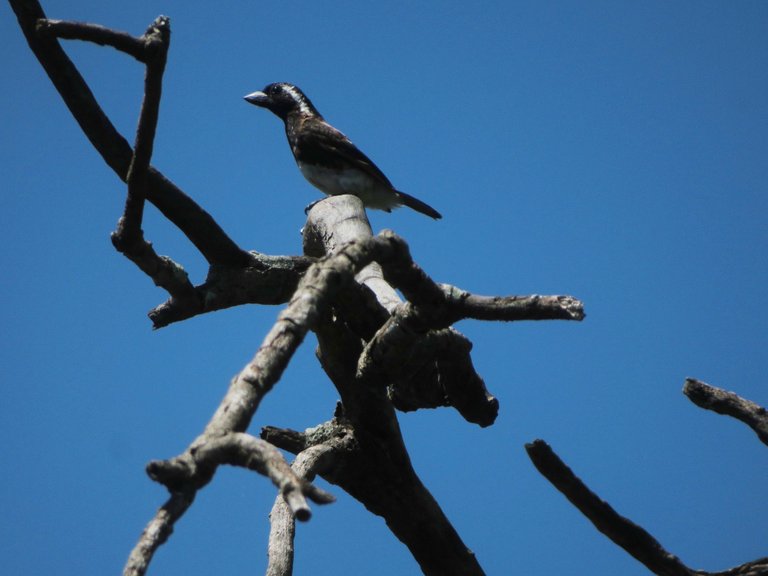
(157, 36)
(572, 307)
(179, 473)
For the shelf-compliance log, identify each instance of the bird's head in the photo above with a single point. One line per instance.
(282, 99)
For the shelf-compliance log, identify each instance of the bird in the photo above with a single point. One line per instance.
(326, 157)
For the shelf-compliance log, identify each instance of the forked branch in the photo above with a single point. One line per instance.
(179, 208)
(308, 464)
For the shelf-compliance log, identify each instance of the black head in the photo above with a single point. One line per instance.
(282, 99)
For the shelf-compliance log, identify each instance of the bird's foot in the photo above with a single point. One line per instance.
(311, 205)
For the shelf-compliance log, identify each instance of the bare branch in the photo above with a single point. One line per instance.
(316, 290)
(442, 305)
(622, 531)
(402, 343)
(373, 466)
(425, 363)
(282, 532)
(195, 468)
(179, 208)
(95, 33)
(219, 443)
(728, 404)
(186, 474)
(128, 234)
(511, 308)
(266, 280)
(157, 532)
(164, 272)
(307, 465)
(634, 539)
(410, 322)
(757, 567)
(292, 441)
(461, 385)
(128, 238)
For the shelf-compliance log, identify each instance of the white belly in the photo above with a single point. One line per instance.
(355, 182)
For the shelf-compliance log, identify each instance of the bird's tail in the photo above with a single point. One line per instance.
(418, 205)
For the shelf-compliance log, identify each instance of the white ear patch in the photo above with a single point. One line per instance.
(298, 97)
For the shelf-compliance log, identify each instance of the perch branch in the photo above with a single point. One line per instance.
(366, 305)
(424, 363)
(336, 221)
(376, 469)
(728, 404)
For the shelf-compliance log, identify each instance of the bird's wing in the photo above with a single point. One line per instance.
(321, 143)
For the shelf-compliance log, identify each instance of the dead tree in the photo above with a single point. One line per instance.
(381, 353)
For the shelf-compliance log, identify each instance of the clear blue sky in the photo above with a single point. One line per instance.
(615, 151)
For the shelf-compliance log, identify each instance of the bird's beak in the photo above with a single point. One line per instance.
(258, 99)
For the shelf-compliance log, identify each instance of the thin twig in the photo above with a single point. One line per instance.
(156, 39)
(128, 238)
(511, 308)
(69, 30)
(443, 304)
(157, 532)
(728, 404)
(307, 465)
